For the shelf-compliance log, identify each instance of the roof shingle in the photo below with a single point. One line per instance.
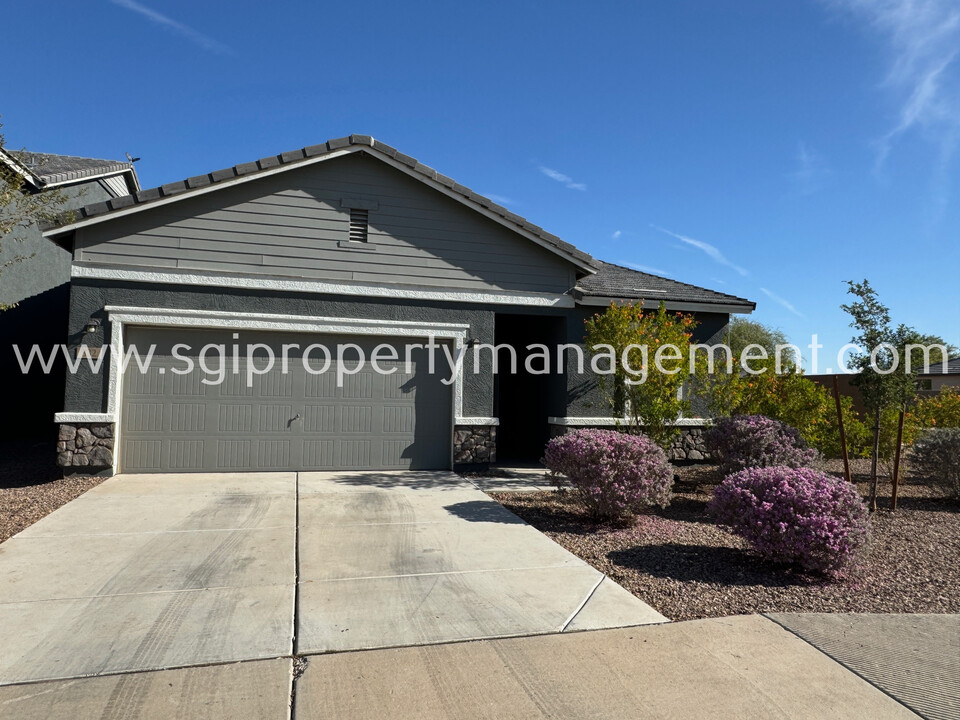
(63, 168)
(296, 156)
(609, 281)
(616, 281)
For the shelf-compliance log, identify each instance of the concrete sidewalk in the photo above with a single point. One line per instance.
(741, 668)
(913, 658)
(745, 667)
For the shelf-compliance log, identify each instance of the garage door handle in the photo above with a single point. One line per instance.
(293, 419)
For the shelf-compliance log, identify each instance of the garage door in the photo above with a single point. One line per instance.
(221, 415)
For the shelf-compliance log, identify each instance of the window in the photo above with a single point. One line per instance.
(359, 219)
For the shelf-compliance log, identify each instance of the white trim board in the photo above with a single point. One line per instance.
(612, 422)
(246, 282)
(81, 417)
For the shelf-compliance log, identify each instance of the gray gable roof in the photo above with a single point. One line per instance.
(608, 280)
(616, 281)
(53, 169)
(293, 157)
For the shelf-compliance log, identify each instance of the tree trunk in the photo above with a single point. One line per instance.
(875, 460)
(896, 462)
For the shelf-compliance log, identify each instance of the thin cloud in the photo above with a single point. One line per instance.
(171, 25)
(923, 43)
(780, 301)
(565, 180)
(712, 251)
(501, 200)
(616, 234)
(811, 172)
(647, 269)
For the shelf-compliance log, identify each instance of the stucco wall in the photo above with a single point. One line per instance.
(49, 265)
(88, 393)
(584, 398)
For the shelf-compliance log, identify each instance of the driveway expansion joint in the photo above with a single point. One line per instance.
(573, 616)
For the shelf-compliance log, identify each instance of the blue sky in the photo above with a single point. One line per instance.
(767, 149)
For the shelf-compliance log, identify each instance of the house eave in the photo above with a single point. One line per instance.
(675, 305)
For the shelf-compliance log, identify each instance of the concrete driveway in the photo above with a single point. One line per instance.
(154, 572)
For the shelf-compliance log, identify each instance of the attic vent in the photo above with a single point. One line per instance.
(359, 219)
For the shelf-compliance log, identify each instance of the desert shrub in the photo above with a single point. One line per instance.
(936, 459)
(751, 441)
(794, 515)
(941, 410)
(614, 473)
(794, 399)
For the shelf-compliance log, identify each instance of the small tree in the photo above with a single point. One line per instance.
(650, 354)
(742, 332)
(880, 365)
(20, 207)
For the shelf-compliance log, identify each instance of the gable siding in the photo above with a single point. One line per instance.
(293, 225)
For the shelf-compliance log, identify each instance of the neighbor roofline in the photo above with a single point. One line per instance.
(729, 308)
(22, 170)
(39, 183)
(130, 172)
(276, 164)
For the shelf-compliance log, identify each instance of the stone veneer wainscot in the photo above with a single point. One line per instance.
(86, 446)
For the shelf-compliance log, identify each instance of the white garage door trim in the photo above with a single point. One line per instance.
(120, 317)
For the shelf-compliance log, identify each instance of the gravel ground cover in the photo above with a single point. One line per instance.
(681, 563)
(31, 486)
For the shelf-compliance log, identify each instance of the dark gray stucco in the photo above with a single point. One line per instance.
(88, 393)
(45, 265)
(584, 398)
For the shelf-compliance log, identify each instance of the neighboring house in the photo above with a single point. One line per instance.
(928, 383)
(938, 377)
(38, 283)
(349, 241)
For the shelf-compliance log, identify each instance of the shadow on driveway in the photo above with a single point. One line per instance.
(483, 511)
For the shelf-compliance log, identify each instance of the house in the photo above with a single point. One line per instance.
(35, 288)
(938, 377)
(346, 243)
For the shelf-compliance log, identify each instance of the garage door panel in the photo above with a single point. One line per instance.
(186, 455)
(142, 455)
(188, 417)
(171, 421)
(235, 418)
(275, 418)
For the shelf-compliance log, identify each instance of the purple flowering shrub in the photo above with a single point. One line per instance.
(794, 515)
(751, 441)
(615, 474)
